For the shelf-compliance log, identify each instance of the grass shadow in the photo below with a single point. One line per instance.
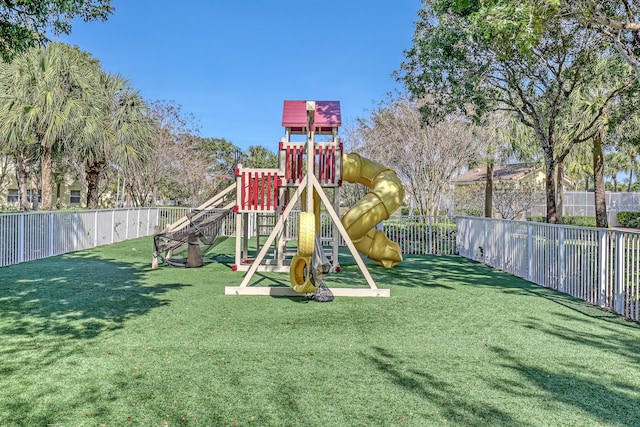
(77, 295)
(608, 402)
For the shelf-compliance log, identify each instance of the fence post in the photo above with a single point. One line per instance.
(148, 221)
(21, 237)
(126, 227)
(138, 224)
(603, 249)
(529, 252)
(74, 226)
(561, 259)
(113, 224)
(618, 292)
(430, 247)
(503, 260)
(95, 228)
(485, 242)
(51, 234)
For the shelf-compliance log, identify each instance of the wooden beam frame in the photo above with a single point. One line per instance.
(244, 289)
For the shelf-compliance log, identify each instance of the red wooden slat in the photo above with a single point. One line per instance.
(287, 167)
(327, 163)
(249, 191)
(300, 164)
(315, 162)
(321, 164)
(276, 184)
(333, 164)
(269, 192)
(255, 191)
(262, 196)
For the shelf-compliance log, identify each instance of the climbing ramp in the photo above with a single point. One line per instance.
(183, 243)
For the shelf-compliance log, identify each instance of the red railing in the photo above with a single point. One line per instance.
(258, 190)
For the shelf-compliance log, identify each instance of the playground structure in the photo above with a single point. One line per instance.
(309, 175)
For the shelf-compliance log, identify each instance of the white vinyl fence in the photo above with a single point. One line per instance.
(27, 236)
(600, 266)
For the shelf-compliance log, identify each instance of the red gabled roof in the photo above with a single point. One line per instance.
(294, 114)
(328, 114)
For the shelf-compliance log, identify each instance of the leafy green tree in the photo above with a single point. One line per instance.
(618, 20)
(260, 157)
(43, 98)
(24, 23)
(526, 58)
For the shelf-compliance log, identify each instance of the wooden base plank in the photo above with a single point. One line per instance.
(282, 291)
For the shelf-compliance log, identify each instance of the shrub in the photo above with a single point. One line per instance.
(581, 221)
(537, 218)
(628, 219)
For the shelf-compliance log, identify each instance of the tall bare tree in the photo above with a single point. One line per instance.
(176, 168)
(424, 157)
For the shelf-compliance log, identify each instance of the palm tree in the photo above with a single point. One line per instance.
(22, 150)
(45, 95)
(614, 163)
(119, 132)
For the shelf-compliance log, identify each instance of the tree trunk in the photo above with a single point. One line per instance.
(630, 180)
(93, 171)
(560, 192)
(21, 177)
(550, 188)
(58, 194)
(615, 183)
(46, 170)
(598, 180)
(488, 192)
(35, 203)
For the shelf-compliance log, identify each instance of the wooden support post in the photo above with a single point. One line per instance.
(343, 232)
(274, 233)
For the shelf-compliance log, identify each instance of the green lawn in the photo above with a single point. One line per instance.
(97, 338)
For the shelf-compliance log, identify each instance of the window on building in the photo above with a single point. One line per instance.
(30, 196)
(74, 197)
(13, 196)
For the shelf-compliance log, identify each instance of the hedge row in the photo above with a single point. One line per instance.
(580, 221)
(629, 219)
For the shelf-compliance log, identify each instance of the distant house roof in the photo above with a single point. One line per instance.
(503, 173)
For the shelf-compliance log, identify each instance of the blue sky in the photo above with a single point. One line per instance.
(232, 63)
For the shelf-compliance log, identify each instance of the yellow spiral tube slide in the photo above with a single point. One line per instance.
(385, 195)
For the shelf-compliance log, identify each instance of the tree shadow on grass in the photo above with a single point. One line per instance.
(74, 296)
(431, 271)
(443, 395)
(591, 326)
(609, 403)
